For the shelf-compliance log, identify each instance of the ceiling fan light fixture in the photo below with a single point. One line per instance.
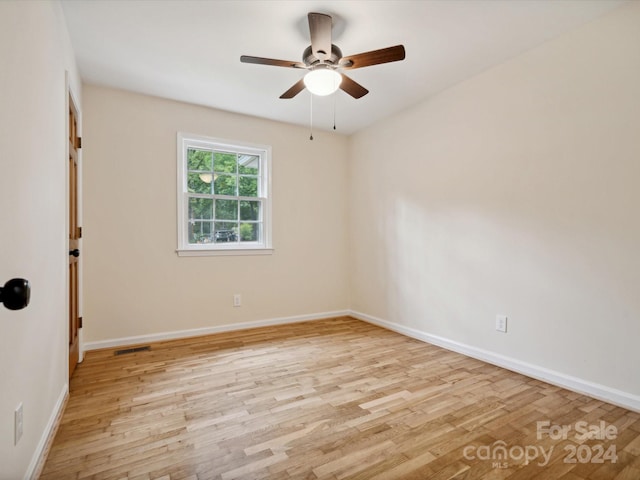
(322, 81)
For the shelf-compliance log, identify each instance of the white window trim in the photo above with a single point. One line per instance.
(185, 249)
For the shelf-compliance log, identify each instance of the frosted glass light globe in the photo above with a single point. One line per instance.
(322, 81)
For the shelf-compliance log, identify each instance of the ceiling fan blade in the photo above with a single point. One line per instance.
(375, 57)
(293, 91)
(320, 30)
(271, 61)
(352, 87)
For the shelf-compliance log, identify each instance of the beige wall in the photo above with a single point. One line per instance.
(135, 284)
(515, 192)
(34, 53)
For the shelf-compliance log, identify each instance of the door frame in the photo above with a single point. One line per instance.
(70, 95)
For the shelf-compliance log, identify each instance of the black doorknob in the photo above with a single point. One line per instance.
(75, 252)
(15, 293)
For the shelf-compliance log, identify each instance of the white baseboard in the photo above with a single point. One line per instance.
(598, 391)
(38, 454)
(196, 332)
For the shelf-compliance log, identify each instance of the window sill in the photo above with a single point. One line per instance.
(194, 252)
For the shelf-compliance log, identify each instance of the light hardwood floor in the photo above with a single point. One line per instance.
(328, 399)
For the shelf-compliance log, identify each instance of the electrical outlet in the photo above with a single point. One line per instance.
(501, 323)
(18, 424)
(237, 300)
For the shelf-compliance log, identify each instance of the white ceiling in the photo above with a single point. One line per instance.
(190, 50)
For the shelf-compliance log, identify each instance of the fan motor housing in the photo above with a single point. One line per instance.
(310, 59)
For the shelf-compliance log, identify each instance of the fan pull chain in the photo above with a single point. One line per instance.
(334, 110)
(310, 116)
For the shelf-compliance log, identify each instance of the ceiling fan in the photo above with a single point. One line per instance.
(324, 60)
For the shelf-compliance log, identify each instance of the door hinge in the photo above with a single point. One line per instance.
(78, 142)
(79, 322)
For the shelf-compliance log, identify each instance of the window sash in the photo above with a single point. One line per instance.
(262, 244)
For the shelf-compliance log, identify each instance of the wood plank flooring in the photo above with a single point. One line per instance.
(330, 399)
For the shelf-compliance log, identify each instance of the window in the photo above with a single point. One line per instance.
(224, 205)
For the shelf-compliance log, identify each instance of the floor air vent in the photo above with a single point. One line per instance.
(124, 351)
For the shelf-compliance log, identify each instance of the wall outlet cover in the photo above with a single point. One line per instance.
(501, 323)
(18, 424)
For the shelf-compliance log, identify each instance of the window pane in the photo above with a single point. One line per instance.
(225, 162)
(199, 160)
(200, 232)
(248, 164)
(248, 187)
(226, 232)
(224, 184)
(249, 232)
(249, 210)
(200, 208)
(223, 196)
(199, 182)
(226, 210)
